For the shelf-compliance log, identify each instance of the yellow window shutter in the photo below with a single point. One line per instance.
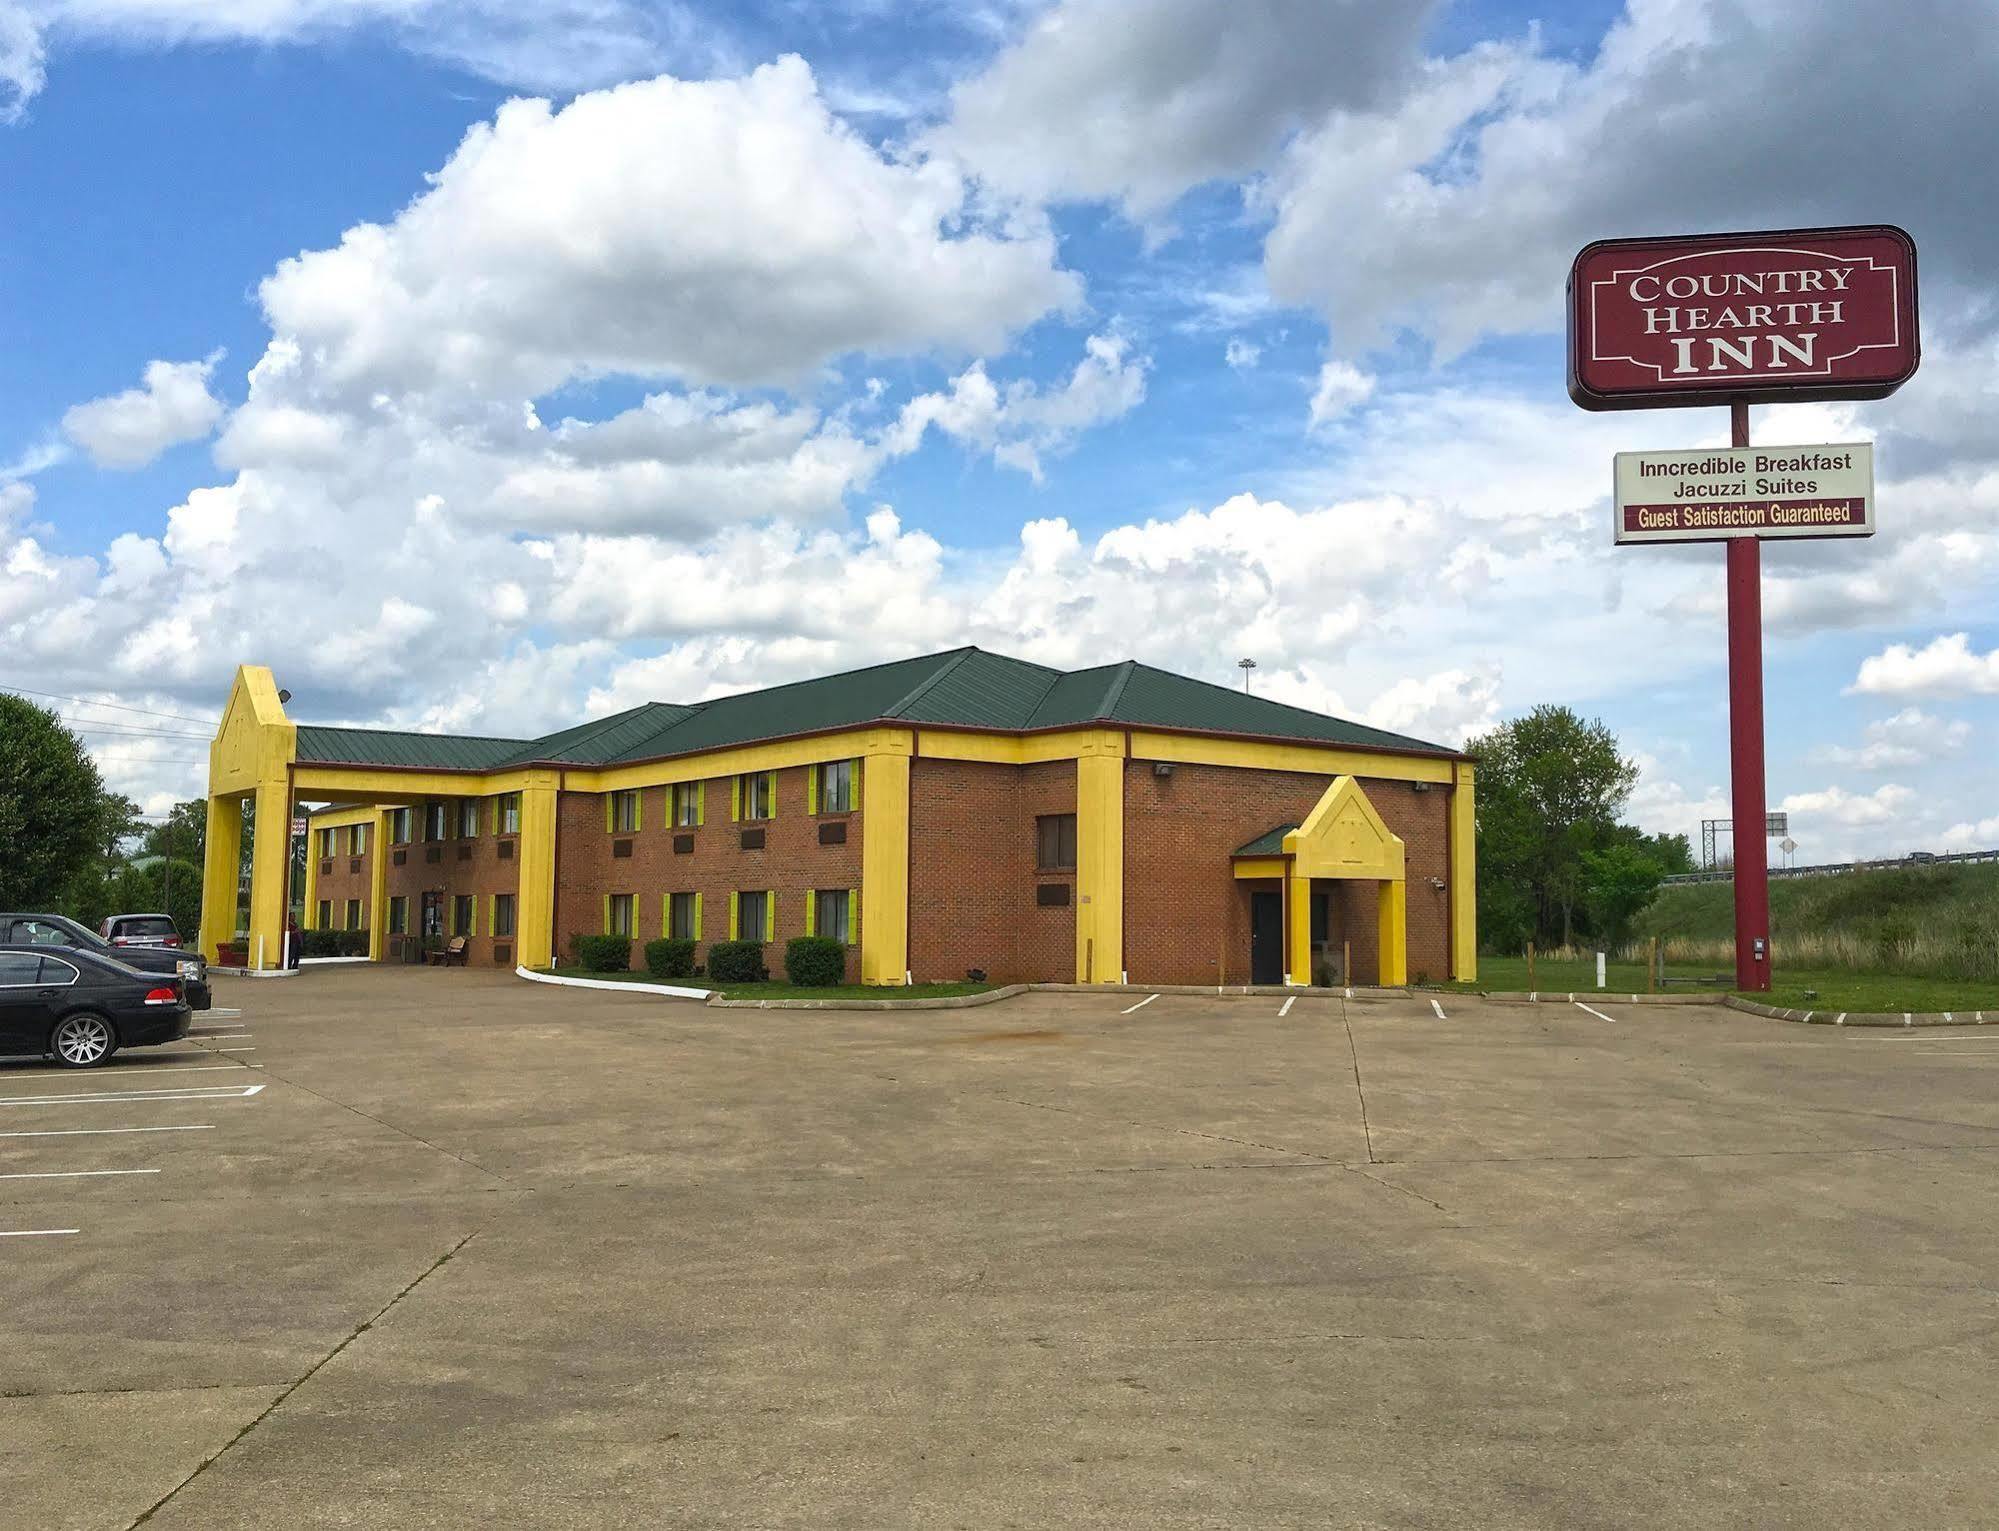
(665, 915)
(697, 916)
(492, 914)
(770, 915)
(811, 793)
(638, 811)
(773, 792)
(607, 914)
(610, 808)
(735, 805)
(700, 803)
(857, 786)
(734, 915)
(811, 911)
(853, 916)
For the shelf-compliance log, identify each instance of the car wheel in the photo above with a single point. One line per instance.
(83, 1041)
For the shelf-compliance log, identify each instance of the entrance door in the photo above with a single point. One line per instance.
(1266, 938)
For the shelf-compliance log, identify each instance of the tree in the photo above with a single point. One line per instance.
(52, 818)
(1617, 882)
(183, 834)
(1550, 787)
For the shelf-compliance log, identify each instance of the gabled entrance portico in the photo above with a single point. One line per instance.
(1342, 839)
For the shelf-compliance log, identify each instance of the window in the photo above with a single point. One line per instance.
(359, 846)
(752, 916)
(830, 908)
(399, 915)
(461, 914)
(683, 916)
(19, 970)
(433, 821)
(618, 914)
(836, 786)
(756, 795)
(325, 844)
(503, 914)
(1055, 842)
(468, 819)
(399, 826)
(510, 813)
(623, 814)
(325, 920)
(686, 799)
(353, 914)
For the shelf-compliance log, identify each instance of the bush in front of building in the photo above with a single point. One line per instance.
(320, 943)
(602, 954)
(815, 962)
(350, 943)
(670, 957)
(737, 962)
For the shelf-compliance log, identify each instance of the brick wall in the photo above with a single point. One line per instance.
(470, 864)
(973, 876)
(340, 878)
(1184, 911)
(791, 862)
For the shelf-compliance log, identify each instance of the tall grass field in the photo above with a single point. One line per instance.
(1925, 922)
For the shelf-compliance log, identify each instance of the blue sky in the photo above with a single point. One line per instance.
(785, 337)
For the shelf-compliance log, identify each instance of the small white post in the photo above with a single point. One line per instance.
(1599, 970)
(260, 954)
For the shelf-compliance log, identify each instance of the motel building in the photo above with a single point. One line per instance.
(939, 815)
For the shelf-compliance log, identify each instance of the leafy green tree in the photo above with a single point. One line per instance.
(1617, 882)
(52, 816)
(183, 834)
(1550, 787)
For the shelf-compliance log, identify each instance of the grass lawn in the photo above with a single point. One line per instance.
(782, 990)
(1833, 988)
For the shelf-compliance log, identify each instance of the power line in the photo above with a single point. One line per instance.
(113, 706)
(130, 730)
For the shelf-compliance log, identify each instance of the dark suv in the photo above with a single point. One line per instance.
(56, 930)
(140, 930)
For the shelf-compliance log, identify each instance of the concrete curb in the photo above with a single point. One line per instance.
(258, 972)
(935, 1002)
(1606, 996)
(1232, 991)
(1897, 1018)
(613, 986)
(313, 962)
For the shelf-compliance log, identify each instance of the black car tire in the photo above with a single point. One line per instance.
(85, 1040)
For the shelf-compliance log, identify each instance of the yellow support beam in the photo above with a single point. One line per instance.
(885, 858)
(1464, 876)
(1100, 860)
(270, 876)
(1392, 932)
(222, 864)
(534, 925)
(307, 919)
(1298, 931)
(378, 886)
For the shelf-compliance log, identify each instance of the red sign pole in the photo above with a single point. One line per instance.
(1745, 747)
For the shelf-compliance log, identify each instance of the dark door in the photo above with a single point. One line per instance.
(433, 914)
(24, 1006)
(1266, 938)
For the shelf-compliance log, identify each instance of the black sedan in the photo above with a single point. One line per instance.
(58, 930)
(80, 1008)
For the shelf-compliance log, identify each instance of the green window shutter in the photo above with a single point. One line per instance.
(853, 916)
(735, 803)
(773, 792)
(697, 916)
(811, 794)
(811, 912)
(700, 803)
(734, 912)
(607, 914)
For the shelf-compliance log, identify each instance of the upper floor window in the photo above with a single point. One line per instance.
(325, 838)
(623, 818)
(468, 819)
(685, 797)
(510, 813)
(358, 840)
(1055, 842)
(399, 825)
(433, 821)
(836, 786)
(756, 795)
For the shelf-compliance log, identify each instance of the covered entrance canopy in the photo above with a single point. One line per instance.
(1343, 837)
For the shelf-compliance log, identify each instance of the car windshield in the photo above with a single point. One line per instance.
(144, 925)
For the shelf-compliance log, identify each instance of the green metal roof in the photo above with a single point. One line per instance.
(1269, 843)
(965, 688)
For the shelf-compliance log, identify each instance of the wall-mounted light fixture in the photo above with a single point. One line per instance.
(1437, 883)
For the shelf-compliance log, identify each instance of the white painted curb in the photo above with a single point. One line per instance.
(313, 962)
(612, 985)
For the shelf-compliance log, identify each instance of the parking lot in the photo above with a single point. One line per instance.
(440, 1248)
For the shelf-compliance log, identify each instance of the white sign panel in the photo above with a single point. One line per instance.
(1767, 492)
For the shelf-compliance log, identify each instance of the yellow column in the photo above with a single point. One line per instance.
(270, 875)
(309, 916)
(1392, 932)
(534, 928)
(1100, 860)
(1298, 922)
(1464, 876)
(378, 886)
(885, 859)
(221, 865)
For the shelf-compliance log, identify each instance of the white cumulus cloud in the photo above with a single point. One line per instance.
(130, 429)
(1945, 666)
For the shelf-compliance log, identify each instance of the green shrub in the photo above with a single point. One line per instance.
(670, 957)
(319, 943)
(603, 954)
(815, 962)
(351, 943)
(737, 962)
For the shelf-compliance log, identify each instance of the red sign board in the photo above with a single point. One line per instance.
(1760, 318)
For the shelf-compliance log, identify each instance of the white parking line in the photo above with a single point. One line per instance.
(1285, 1008)
(104, 1132)
(173, 1068)
(34, 1233)
(1142, 1003)
(1439, 1009)
(74, 1174)
(232, 1049)
(222, 1012)
(112, 1097)
(1595, 1012)
(1908, 1039)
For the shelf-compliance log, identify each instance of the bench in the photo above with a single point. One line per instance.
(452, 955)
